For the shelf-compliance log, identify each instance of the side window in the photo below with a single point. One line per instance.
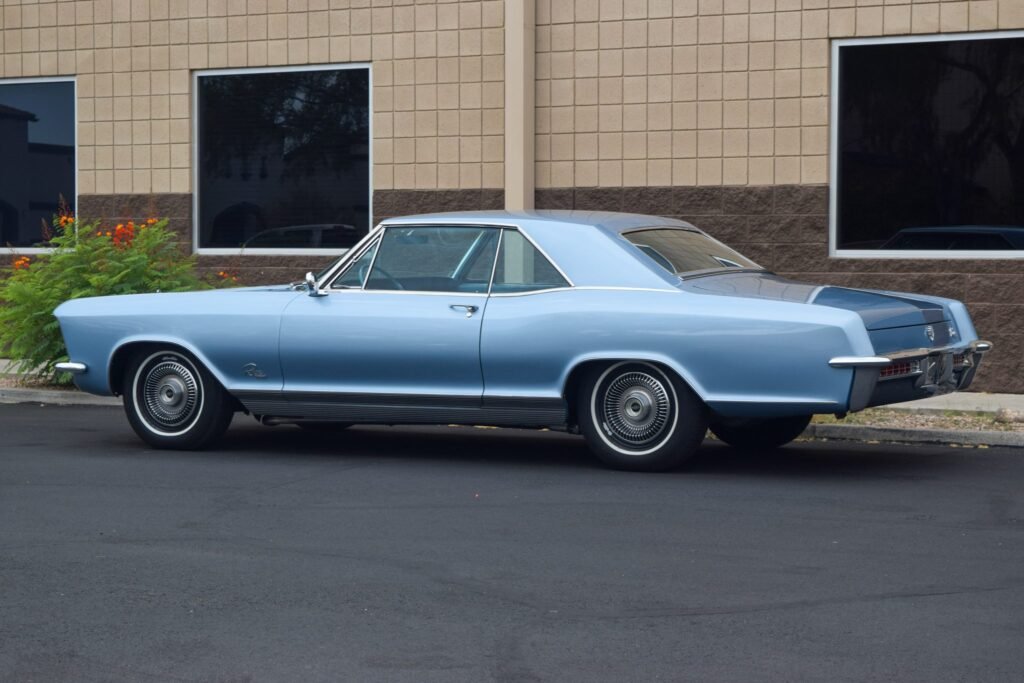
(522, 268)
(355, 275)
(434, 259)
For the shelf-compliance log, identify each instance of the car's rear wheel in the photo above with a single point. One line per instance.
(636, 416)
(759, 433)
(173, 402)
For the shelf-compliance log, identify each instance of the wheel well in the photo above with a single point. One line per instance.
(119, 363)
(574, 382)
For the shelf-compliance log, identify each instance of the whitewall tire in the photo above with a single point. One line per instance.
(172, 401)
(637, 416)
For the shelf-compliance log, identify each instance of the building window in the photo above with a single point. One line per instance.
(282, 159)
(37, 157)
(928, 146)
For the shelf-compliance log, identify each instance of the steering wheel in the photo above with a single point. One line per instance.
(379, 272)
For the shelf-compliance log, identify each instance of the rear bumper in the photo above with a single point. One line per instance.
(912, 374)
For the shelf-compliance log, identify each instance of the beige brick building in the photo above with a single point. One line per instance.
(718, 111)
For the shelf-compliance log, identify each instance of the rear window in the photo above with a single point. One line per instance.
(685, 252)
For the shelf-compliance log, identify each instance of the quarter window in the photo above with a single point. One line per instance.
(283, 158)
(355, 275)
(37, 158)
(434, 259)
(522, 267)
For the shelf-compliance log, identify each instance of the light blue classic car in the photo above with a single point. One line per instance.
(637, 331)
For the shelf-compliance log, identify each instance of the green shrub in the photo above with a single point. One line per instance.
(87, 260)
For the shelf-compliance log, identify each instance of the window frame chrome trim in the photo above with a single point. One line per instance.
(194, 147)
(597, 288)
(342, 265)
(833, 148)
(494, 265)
(73, 79)
(483, 224)
(350, 256)
(384, 226)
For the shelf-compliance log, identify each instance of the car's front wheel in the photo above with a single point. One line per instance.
(636, 416)
(172, 401)
(759, 433)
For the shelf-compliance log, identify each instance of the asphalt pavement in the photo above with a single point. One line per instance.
(464, 554)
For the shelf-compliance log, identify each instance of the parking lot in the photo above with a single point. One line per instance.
(465, 554)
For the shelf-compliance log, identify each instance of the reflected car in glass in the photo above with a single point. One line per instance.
(318, 236)
(638, 332)
(959, 237)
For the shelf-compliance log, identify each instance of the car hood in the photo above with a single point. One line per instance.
(878, 310)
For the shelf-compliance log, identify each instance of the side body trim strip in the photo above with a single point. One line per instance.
(406, 409)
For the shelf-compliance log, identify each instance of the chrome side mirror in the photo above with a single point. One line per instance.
(311, 287)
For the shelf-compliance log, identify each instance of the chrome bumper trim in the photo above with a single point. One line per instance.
(73, 368)
(859, 362)
(937, 373)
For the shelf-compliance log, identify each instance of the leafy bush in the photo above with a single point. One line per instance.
(87, 260)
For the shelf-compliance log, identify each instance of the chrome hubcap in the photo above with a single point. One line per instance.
(170, 394)
(636, 409)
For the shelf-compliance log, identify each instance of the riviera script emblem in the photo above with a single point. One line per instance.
(253, 370)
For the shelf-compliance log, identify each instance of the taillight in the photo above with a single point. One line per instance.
(900, 369)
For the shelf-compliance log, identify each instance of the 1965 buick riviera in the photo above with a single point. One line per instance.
(640, 332)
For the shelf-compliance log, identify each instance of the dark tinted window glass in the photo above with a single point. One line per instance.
(522, 268)
(37, 158)
(283, 159)
(931, 135)
(685, 251)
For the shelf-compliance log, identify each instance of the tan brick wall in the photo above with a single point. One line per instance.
(438, 76)
(707, 92)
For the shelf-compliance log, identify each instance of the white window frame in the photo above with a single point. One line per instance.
(833, 250)
(28, 251)
(280, 251)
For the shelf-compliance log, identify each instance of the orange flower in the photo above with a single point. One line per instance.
(150, 221)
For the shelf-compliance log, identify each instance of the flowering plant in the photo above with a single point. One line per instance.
(88, 259)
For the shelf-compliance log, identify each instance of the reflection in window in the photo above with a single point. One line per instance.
(522, 268)
(682, 252)
(284, 159)
(37, 157)
(931, 145)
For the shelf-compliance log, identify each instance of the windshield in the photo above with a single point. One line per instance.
(685, 252)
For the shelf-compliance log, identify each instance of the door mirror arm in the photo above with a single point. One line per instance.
(311, 286)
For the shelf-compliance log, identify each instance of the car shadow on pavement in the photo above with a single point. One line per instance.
(521, 447)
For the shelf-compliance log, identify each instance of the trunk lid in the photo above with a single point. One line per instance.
(894, 321)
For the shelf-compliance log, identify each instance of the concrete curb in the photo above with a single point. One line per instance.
(56, 397)
(933, 436)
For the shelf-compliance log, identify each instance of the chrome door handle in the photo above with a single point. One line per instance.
(468, 308)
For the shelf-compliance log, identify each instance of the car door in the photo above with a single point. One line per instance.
(400, 326)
